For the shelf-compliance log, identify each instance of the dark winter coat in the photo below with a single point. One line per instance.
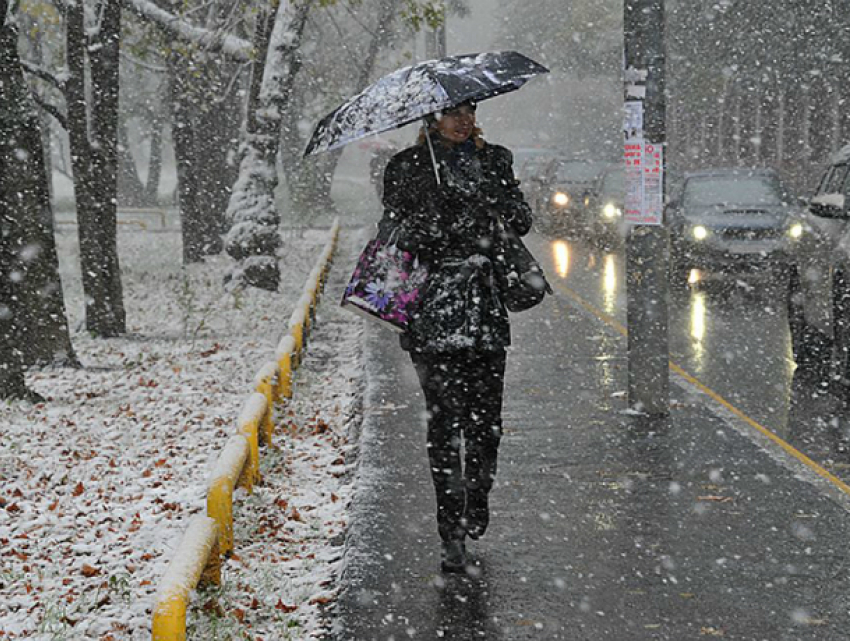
(451, 228)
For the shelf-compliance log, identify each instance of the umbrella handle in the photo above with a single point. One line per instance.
(431, 149)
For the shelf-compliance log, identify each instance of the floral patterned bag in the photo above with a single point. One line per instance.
(387, 285)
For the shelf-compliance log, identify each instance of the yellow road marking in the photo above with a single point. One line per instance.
(790, 449)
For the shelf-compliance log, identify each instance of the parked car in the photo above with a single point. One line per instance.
(733, 221)
(819, 284)
(605, 207)
(568, 194)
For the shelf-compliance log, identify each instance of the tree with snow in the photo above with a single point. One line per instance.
(254, 238)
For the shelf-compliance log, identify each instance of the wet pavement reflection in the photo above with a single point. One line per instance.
(606, 525)
(731, 334)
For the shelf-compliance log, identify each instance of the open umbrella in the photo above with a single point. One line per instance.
(411, 93)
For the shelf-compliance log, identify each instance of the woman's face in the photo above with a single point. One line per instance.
(456, 125)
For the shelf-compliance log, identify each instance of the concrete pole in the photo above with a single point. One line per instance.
(647, 245)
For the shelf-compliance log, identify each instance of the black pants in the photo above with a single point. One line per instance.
(463, 395)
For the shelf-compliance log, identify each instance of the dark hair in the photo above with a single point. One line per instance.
(466, 103)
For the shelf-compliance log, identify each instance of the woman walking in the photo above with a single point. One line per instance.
(458, 337)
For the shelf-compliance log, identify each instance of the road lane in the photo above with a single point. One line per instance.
(731, 335)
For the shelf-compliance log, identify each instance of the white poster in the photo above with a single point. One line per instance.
(644, 170)
(633, 153)
(653, 184)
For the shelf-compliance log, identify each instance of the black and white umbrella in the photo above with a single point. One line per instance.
(412, 93)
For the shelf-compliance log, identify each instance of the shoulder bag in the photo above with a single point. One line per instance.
(522, 283)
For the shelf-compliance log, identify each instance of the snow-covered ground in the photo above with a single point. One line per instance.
(98, 483)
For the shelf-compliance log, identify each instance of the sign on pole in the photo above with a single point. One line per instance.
(644, 170)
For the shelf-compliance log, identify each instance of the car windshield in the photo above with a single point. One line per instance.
(614, 183)
(744, 190)
(577, 172)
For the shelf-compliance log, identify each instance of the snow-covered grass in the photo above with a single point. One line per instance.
(98, 484)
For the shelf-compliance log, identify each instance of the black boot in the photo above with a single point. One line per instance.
(454, 555)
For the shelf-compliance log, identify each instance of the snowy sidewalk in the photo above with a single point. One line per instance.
(99, 482)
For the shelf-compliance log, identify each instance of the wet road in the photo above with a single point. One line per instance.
(731, 335)
(605, 526)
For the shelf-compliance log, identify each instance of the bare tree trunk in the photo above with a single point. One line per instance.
(780, 130)
(757, 137)
(12, 383)
(95, 164)
(806, 133)
(130, 187)
(28, 234)
(836, 120)
(738, 130)
(151, 191)
(191, 219)
(204, 127)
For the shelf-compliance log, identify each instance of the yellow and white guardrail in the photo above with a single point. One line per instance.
(197, 559)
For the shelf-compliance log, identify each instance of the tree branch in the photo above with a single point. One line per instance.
(231, 46)
(53, 110)
(143, 64)
(40, 72)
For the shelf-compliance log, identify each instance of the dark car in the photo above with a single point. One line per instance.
(605, 207)
(819, 284)
(568, 194)
(733, 221)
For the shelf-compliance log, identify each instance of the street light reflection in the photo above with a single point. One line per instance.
(698, 328)
(609, 284)
(562, 258)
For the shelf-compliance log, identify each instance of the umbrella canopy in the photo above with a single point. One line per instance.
(412, 93)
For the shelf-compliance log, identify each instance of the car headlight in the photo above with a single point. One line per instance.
(700, 232)
(560, 198)
(611, 211)
(795, 230)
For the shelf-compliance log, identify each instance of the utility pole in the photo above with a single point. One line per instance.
(646, 245)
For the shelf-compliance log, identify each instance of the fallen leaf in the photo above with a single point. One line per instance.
(89, 570)
(78, 489)
(213, 607)
(320, 600)
(214, 349)
(285, 608)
